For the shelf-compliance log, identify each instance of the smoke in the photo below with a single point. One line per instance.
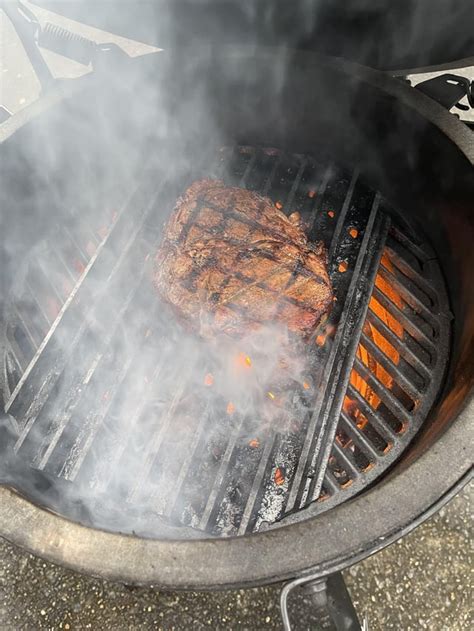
(108, 400)
(126, 398)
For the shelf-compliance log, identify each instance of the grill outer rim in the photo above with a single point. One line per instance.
(377, 518)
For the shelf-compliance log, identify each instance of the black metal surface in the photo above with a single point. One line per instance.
(448, 90)
(216, 481)
(332, 603)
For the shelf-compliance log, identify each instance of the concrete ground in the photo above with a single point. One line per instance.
(422, 582)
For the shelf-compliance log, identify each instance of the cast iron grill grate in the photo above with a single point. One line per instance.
(376, 365)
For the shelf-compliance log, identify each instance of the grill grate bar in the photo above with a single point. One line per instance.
(27, 328)
(41, 368)
(49, 335)
(65, 267)
(320, 191)
(160, 433)
(248, 168)
(12, 365)
(374, 419)
(47, 279)
(210, 504)
(75, 391)
(18, 356)
(392, 369)
(346, 458)
(256, 486)
(46, 320)
(271, 175)
(172, 492)
(77, 246)
(337, 371)
(296, 183)
(274, 449)
(110, 384)
(423, 283)
(358, 297)
(351, 429)
(89, 429)
(414, 302)
(330, 483)
(138, 403)
(410, 327)
(387, 397)
(342, 214)
(401, 348)
(422, 253)
(297, 480)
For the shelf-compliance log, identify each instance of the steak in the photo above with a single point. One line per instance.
(231, 261)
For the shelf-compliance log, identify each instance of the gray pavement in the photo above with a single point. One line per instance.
(422, 582)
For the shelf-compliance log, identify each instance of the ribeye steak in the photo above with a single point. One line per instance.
(231, 261)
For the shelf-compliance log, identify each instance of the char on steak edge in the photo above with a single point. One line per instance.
(230, 261)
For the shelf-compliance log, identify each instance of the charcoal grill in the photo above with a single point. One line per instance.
(375, 449)
(376, 365)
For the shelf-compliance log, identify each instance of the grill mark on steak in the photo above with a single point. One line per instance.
(267, 255)
(229, 254)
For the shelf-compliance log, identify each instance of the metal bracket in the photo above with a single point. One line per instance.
(27, 28)
(55, 38)
(333, 607)
(448, 90)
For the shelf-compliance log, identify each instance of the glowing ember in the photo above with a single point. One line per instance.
(208, 379)
(306, 385)
(349, 406)
(279, 476)
(254, 443)
(321, 339)
(342, 267)
(230, 408)
(331, 213)
(279, 205)
(243, 361)
(353, 232)
(388, 350)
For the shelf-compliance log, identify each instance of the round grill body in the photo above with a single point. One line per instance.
(401, 406)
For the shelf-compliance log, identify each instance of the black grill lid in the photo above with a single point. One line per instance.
(378, 33)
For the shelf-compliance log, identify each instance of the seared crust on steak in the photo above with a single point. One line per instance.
(230, 261)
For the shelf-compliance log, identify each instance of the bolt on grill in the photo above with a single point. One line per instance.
(377, 364)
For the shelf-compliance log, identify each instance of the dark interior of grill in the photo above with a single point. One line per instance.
(172, 463)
